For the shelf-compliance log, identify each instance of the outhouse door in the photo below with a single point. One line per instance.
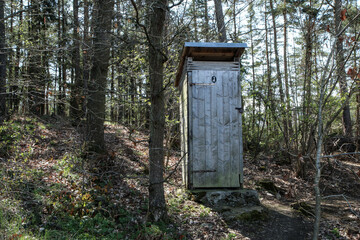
(215, 128)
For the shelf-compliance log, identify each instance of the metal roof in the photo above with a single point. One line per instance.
(209, 52)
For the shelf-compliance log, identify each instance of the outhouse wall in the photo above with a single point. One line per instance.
(211, 124)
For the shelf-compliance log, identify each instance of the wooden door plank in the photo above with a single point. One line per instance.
(235, 131)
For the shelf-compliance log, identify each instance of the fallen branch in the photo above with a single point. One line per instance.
(340, 154)
(341, 165)
(172, 172)
(343, 196)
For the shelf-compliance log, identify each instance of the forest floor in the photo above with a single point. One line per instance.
(47, 191)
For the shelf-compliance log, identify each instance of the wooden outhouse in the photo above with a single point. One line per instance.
(210, 110)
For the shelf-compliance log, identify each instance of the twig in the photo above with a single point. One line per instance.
(342, 195)
(176, 166)
(340, 165)
(176, 4)
(340, 154)
(145, 31)
(171, 173)
(18, 12)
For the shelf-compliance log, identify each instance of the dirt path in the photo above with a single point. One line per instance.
(278, 222)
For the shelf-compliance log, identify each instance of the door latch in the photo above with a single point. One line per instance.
(240, 109)
(213, 79)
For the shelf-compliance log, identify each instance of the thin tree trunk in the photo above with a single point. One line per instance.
(112, 89)
(63, 60)
(15, 94)
(318, 163)
(2, 64)
(286, 77)
(60, 107)
(235, 23)
(206, 24)
(11, 78)
(268, 67)
(86, 56)
(306, 135)
(323, 81)
(195, 21)
(220, 21)
(278, 75)
(44, 62)
(340, 70)
(358, 94)
(157, 206)
(251, 11)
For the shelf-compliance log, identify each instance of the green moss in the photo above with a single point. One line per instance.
(253, 215)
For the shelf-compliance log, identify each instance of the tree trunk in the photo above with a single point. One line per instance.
(37, 86)
(157, 206)
(12, 85)
(44, 60)
(220, 21)
(63, 85)
(76, 93)
(235, 38)
(278, 75)
(15, 90)
(307, 84)
(195, 20)
(112, 88)
(324, 80)
(318, 162)
(286, 77)
(340, 70)
(206, 23)
(86, 56)
(251, 19)
(102, 18)
(355, 66)
(2, 63)
(268, 67)
(61, 59)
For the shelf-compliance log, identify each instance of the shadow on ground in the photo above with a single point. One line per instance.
(276, 226)
(243, 213)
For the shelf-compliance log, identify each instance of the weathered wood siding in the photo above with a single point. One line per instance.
(184, 130)
(214, 125)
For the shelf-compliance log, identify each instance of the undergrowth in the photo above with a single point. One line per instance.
(45, 193)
